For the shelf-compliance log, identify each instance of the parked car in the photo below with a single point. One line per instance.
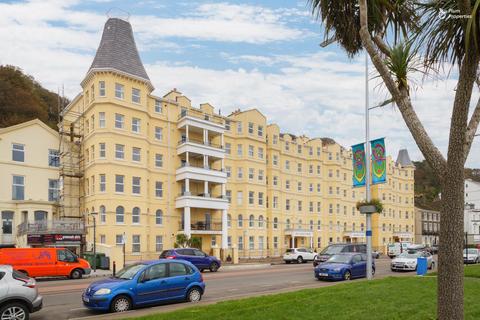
(300, 255)
(332, 249)
(343, 266)
(146, 283)
(18, 295)
(434, 248)
(407, 261)
(394, 249)
(419, 247)
(198, 258)
(471, 255)
(45, 262)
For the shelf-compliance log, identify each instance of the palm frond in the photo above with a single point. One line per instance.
(341, 19)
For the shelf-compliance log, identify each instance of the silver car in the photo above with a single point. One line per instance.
(18, 295)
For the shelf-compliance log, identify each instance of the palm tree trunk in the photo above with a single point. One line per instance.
(450, 256)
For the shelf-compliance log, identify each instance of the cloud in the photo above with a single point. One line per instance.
(317, 95)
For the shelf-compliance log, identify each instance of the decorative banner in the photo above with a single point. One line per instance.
(359, 168)
(379, 161)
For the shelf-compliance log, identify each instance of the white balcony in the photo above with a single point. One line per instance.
(201, 174)
(298, 232)
(200, 201)
(200, 120)
(198, 147)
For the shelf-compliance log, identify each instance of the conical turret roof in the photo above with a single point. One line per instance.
(118, 50)
(404, 159)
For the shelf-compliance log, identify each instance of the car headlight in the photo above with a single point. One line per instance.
(337, 269)
(411, 262)
(102, 291)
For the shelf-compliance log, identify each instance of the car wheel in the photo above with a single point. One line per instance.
(194, 295)
(76, 274)
(373, 271)
(121, 304)
(300, 259)
(393, 270)
(213, 267)
(14, 311)
(347, 275)
(287, 261)
(432, 266)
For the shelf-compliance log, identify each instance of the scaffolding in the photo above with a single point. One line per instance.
(71, 164)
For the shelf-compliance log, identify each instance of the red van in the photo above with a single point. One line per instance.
(45, 262)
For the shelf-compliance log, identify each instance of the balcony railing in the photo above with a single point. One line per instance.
(51, 226)
(203, 195)
(188, 164)
(200, 115)
(201, 142)
(203, 225)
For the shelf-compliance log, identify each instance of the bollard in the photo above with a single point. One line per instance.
(114, 268)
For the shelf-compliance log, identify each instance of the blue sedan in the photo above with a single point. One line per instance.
(343, 266)
(146, 283)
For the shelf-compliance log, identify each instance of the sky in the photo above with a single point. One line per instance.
(235, 54)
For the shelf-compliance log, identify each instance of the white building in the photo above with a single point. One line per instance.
(29, 171)
(472, 210)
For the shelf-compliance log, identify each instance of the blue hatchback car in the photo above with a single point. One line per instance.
(198, 258)
(344, 266)
(146, 283)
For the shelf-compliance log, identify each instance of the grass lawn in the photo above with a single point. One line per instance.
(388, 298)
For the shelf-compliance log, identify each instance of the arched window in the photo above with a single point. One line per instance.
(300, 223)
(103, 214)
(251, 221)
(361, 227)
(275, 223)
(260, 221)
(353, 226)
(158, 217)
(136, 215)
(345, 226)
(406, 228)
(240, 221)
(120, 214)
(311, 225)
(288, 224)
(319, 225)
(383, 227)
(229, 220)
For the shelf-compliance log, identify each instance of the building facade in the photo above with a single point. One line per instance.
(28, 201)
(472, 211)
(427, 226)
(149, 167)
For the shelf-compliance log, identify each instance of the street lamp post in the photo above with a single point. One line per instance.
(93, 214)
(368, 177)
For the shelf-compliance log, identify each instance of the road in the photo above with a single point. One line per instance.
(62, 298)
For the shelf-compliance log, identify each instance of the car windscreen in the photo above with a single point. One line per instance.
(332, 250)
(290, 251)
(409, 255)
(470, 251)
(339, 258)
(165, 253)
(129, 271)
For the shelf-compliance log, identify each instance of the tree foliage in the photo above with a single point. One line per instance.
(183, 241)
(22, 99)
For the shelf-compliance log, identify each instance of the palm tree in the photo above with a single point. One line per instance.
(407, 36)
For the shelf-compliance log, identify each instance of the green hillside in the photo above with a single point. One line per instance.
(22, 99)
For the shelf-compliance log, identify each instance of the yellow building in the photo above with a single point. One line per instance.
(29, 163)
(151, 167)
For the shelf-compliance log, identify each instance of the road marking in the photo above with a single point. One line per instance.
(267, 285)
(231, 290)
